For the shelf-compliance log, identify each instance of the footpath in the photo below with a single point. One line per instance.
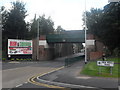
(71, 77)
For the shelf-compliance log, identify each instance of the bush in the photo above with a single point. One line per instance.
(3, 59)
(24, 59)
(21, 59)
(12, 59)
(17, 59)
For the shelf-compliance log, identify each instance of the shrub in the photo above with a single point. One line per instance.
(12, 59)
(24, 59)
(3, 59)
(17, 59)
(21, 59)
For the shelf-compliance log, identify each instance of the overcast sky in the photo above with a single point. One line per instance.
(67, 13)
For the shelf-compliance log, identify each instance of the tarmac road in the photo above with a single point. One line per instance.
(15, 74)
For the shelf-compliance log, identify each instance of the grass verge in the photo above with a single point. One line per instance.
(92, 69)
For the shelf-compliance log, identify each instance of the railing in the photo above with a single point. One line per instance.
(70, 60)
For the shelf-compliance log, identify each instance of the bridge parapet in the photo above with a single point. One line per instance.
(69, 37)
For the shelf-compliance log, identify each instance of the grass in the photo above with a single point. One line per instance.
(92, 69)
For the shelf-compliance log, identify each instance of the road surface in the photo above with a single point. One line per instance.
(15, 74)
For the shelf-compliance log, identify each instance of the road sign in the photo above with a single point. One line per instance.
(90, 42)
(105, 63)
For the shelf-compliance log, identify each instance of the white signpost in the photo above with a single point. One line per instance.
(105, 63)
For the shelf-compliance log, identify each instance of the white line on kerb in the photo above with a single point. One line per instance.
(19, 85)
(64, 84)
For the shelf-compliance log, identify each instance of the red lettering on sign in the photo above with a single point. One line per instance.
(13, 43)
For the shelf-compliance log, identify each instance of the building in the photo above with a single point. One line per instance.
(94, 51)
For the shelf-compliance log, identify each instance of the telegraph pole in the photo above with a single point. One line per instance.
(38, 39)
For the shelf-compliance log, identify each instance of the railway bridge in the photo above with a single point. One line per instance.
(57, 45)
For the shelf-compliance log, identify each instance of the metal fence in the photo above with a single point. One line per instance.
(70, 60)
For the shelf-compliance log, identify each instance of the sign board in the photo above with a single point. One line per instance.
(16, 46)
(105, 63)
(90, 42)
(43, 43)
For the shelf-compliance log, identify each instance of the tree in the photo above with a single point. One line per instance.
(60, 30)
(33, 29)
(14, 23)
(46, 26)
(104, 23)
(92, 20)
(14, 26)
(111, 25)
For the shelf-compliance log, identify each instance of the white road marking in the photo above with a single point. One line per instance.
(14, 62)
(61, 84)
(64, 84)
(19, 85)
(83, 77)
(26, 82)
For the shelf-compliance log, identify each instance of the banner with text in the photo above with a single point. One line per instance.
(19, 46)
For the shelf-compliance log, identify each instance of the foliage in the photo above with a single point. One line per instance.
(13, 21)
(12, 59)
(17, 59)
(3, 59)
(59, 30)
(105, 24)
(33, 30)
(14, 25)
(46, 26)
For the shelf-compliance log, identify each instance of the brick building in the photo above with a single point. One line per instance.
(94, 51)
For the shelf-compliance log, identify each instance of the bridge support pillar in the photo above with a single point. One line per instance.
(45, 51)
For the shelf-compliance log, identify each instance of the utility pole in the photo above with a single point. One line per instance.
(0, 36)
(38, 39)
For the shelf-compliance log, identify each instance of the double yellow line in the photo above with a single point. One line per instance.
(32, 80)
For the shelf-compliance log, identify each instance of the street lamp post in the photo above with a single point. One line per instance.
(85, 36)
